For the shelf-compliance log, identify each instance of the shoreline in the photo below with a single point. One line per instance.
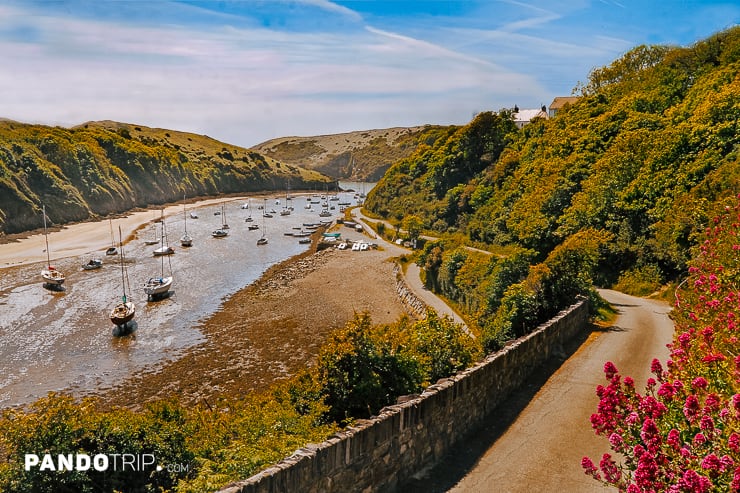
(87, 237)
(258, 335)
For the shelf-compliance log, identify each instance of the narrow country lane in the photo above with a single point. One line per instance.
(536, 442)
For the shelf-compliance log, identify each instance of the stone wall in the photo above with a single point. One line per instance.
(378, 453)
(413, 304)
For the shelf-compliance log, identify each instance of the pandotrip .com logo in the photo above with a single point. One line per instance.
(98, 462)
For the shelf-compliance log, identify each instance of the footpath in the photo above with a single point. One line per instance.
(412, 277)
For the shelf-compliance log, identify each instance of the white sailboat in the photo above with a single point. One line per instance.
(124, 311)
(159, 286)
(224, 229)
(185, 240)
(286, 206)
(112, 249)
(262, 239)
(249, 217)
(50, 275)
(164, 248)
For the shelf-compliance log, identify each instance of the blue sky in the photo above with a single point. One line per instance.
(244, 71)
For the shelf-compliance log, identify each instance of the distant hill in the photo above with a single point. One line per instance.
(362, 155)
(100, 168)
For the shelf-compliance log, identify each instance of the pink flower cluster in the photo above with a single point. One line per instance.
(683, 433)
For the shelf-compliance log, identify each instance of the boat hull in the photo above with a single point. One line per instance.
(93, 264)
(157, 286)
(122, 313)
(164, 251)
(53, 277)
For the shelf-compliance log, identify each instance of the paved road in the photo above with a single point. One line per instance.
(413, 280)
(536, 442)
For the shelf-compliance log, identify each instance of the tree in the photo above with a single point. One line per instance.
(413, 225)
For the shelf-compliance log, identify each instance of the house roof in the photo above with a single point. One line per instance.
(561, 101)
(528, 115)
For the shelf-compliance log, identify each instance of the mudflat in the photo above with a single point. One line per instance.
(260, 334)
(274, 327)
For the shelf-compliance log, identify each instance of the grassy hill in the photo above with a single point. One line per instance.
(107, 167)
(362, 155)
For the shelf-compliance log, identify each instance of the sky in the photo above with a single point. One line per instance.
(245, 71)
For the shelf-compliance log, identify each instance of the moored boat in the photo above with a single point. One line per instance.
(124, 310)
(50, 275)
(94, 263)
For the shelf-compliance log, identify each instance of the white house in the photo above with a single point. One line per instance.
(522, 117)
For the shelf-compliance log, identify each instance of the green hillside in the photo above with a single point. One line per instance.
(643, 157)
(105, 167)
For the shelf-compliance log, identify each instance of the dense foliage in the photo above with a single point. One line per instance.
(643, 155)
(103, 168)
(683, 433)
(201, 448)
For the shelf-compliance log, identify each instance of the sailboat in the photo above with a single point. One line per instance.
(224, 225)
(159, 286)
(263, 239)
(50, 274)
(249, 217)
(164, 248)
(224, 229)
(185, 240)
(124, 310)
(155, 239)
(112, 249)
(286, 206)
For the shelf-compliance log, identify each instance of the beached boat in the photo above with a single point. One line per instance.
(158, 286)
(263, 239)
(94, 263)
(223, 231)
(112, 248)
(164, 248)
(331, 235)
(124, 310)
(50, 275)
(249, 217)
(185, 240)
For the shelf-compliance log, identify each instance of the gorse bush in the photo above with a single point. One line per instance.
(683, 432)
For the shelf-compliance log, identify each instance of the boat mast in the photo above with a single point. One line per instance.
(46, 238)
(123, 274)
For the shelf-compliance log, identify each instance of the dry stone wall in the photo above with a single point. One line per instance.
(413, 304)
(378, 453)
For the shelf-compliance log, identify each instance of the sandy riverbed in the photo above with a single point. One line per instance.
(83, 238)
(269, 330)
(260, 334)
